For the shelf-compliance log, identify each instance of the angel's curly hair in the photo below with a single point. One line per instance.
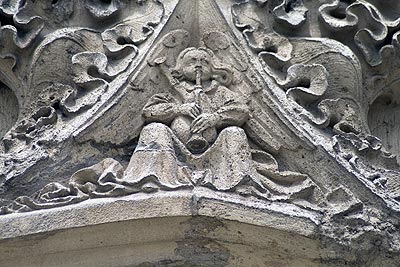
(220, 72)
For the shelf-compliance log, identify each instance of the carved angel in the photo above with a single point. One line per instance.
(198, 121)
(202, 129)
(201, 103)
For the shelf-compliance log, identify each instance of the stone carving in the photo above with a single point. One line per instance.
(287, 102)
(199, 105)
(204, 143)
(306, 76)
(65, 71)
(370, 25)
(194, 137)
(100, 180)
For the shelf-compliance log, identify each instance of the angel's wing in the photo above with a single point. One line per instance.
(145, 81)
(264, 127)
(169, 47)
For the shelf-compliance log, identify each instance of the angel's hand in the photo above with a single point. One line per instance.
(190, 109)
(203, 122)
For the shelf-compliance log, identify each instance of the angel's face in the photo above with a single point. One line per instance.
(197, 61)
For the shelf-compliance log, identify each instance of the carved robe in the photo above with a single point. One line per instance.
(162, 158)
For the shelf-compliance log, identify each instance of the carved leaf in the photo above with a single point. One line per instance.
(291, 13)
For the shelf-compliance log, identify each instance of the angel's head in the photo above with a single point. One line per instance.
(192, 60)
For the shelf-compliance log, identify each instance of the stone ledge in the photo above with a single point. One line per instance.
(199, 227)
(186, 228)
(202, 202)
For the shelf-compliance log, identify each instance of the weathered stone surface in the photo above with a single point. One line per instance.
(239, 125)
(198, 228)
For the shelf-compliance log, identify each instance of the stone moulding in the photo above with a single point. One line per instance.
(182, 224)
(272, 116)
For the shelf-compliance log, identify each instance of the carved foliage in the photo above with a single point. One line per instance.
(304, 69)
(324, 80)
(71, 68)
(64, 71)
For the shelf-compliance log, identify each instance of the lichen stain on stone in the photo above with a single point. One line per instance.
(198, 249)
(162, 263)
